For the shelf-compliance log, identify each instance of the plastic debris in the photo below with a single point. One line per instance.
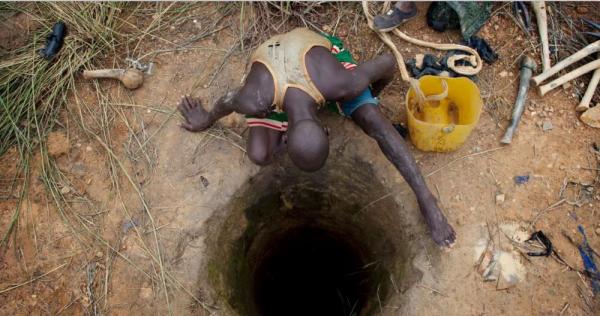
(54, 41)
(587, 255)
(541, 237)
(521, 179)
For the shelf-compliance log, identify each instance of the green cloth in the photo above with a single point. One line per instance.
(468, 16)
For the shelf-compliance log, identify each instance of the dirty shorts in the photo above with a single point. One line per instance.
(279, 121)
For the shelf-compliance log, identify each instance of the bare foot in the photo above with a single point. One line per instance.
(196, 117)
(442, 233)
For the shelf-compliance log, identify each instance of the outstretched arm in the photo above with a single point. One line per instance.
(197, 119)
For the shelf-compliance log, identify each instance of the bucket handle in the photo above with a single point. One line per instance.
(422, 98)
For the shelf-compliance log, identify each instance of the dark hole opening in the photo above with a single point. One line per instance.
(311, 271)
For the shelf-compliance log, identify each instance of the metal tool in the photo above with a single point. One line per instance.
(528, 66)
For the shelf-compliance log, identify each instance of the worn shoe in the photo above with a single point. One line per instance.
(393, 18)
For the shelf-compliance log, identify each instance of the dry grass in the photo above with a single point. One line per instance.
(33, 92)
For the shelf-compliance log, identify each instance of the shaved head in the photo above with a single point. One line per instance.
(308, 145)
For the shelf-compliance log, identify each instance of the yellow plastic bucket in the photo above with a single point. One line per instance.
(443, 125)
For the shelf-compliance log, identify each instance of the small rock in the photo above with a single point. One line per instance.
(496, 27)
(504, 74)
(547, 125)
(500, 199)
(476, 149)
(146, 293)
(79, 168)
(65, 190)
(591, 117)
(99, 254)
(598, 231)
(566, 85)
(88, 148)
(204, 181)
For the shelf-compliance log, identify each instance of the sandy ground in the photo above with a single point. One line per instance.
(183, 178)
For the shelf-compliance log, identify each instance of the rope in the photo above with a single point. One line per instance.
(473, 57)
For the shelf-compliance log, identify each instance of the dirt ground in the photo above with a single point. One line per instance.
(144, 181)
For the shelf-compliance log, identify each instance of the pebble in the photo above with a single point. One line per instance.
(566, 85)
(547, 125)
(65, 190)
(88, 148)
(500, 199)
(598, 231)
(503, 74)
(146, 293)
(99, 254)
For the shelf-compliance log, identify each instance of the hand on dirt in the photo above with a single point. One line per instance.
(196, 118)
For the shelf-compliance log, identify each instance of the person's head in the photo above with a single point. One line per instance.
(308, 145)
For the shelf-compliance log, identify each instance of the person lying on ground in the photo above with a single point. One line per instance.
(291, 76)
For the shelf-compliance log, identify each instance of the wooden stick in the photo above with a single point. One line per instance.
(589, 92)
(570, 76)
(586, 51)
(539, 7)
